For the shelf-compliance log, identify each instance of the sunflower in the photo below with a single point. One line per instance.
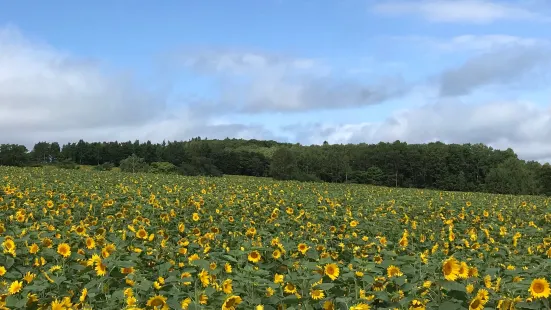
(33, 249)
(101, 269)
(476, 304)
(276, 254)
(416, 305)
(290, 288)
(141, 234)
(328, 305)
(278, 278)
(450, 268)
(64, 250)
(303, 248)
(539, 288)
(15, 287)
(231, 302)
(29, 277)
(483, 295)
(57, 305)
(195, 217)
(204, 277)
(185, 303)
(254, 257)
(360, 306)
(332, 271)
(157, 301)
(463, 270)
(393, 271)
(317, 294)
(83, 295)
(227, 286)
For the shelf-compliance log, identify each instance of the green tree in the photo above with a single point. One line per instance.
(283, 165)
(134, 164)
(511, 177)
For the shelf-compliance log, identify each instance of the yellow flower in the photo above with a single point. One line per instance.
(227, 268)
(204, 277)
(476, 304)
(83, 294)
(64, 250)
(231, 302)
(328, 305)
(317, 294)
(539, 288)
(57, 305)
(416, 305)
(142, 234)
(483, 295)
(278, 278)
(463, 270)
(393, 271)
(157, 301)
(33, 249)
(15, 287)
(29, 277)
(2, 270)
(303, 248)
(332, 271)
(450, 268)
(360, 306)
(101, 269)
(227, 286)
(254, 257)
(290, 288)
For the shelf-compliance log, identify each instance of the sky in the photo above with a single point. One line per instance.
(342, 71)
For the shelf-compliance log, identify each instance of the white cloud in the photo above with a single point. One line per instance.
(457, 11)
(488, 42)
(523, 126)
(262, 82)
(47, 94)
(472, 43)
(501, 67)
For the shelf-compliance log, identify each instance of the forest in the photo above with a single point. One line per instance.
(451, 167)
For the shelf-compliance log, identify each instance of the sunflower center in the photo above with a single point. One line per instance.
(538, 287)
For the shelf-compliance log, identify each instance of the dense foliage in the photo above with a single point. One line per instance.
(85, 239)
(468, 167)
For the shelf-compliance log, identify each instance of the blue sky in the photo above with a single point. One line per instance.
(300, 71)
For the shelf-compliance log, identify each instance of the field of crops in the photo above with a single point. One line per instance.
(110, 240)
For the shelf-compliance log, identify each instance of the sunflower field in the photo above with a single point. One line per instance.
(109, 240)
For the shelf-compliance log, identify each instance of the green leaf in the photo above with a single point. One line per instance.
(449, 305)
(12, 301)
(325, 286)
(9, 262)
(529, 305)
(291, 299)
(453, 286)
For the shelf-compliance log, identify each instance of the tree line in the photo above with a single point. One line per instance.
(456, 167)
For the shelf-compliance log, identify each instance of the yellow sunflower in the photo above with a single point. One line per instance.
(231, 302)
(450, 268)
(157, 301)
(64, 250)
(15, 287)
(539, 288)
(332, 271)
(254, 257)
(476, 304)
